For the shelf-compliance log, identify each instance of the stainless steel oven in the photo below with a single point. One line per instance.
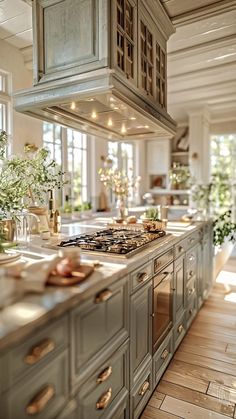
(162, 305)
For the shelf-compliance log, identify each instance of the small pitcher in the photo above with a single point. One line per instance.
(23, 227)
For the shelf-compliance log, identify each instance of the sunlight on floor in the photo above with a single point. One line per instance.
(231, 297)
(226, 277)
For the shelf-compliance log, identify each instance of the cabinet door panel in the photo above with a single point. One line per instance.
(98, 326)
(179, 285)
(141, 327)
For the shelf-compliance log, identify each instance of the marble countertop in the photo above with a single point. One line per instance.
(19, 318)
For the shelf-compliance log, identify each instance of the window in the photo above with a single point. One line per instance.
(122, 155)
(5, 102)
(223, 152)
(69, 149)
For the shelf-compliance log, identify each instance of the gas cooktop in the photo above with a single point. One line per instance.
(119, 241)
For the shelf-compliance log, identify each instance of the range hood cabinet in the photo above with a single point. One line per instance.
(100, 67)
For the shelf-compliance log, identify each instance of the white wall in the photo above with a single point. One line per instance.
(23, 128)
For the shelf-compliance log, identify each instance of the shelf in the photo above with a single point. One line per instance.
(157, 191)
(180, 153)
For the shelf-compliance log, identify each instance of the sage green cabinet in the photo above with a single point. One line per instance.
(140, 330)
(97, 328)
(141, 392)
(179, 287)
(102, 391)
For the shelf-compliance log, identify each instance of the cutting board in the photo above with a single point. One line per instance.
(78, 275)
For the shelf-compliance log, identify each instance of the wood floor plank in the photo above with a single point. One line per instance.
(225, 406)
(231, 348)
(209, 353)
(217, 318)
(178, 375)
(151, 413)
(190, 374)
(206, 362)
(199, 332)
(205, 342)
(222, 392)
(188, 410)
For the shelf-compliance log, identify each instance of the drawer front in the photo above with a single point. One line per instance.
(162, 357)
(191, 263)
(163, 260)
(43, 395)
(37, 350)
(70, 411)
(191, 289)
(179, 249)
(140, 276)
(191, 310)
(193, 239)
(141, 392)
(179, 330)
(104, 386)
(98, 325)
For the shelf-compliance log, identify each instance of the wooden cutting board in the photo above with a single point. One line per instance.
(78, 275)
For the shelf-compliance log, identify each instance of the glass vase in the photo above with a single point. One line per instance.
(121, 208)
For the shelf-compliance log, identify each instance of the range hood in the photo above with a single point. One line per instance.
(82, 87)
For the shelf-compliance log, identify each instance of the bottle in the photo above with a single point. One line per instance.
(57, 222)
(51, 213)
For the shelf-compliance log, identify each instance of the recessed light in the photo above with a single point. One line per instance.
(90, 100)
(116, 108)
(133, 118)
(73, 106)
(112, 99)
(109, 122)
(146, 126)
(123, 129)
(94, 115)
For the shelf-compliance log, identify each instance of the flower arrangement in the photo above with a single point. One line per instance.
(26, 179)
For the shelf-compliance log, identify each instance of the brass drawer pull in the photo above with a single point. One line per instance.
(144, 388)
(180, 328)
(103, 296)
(191, 257)
(40, 401)
(191, 240)
(142, 276)
(180, 249)
(191, 291)
(164, 354)
(190, 311)
(191, 273)
(39, 351)
(104, 375)
(104, 400)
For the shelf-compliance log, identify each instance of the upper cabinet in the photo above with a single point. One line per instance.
(100, 66)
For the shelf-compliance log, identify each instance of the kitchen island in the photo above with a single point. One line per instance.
(96, 349)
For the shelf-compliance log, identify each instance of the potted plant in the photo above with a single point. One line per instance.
(26, 179)
(152, 220)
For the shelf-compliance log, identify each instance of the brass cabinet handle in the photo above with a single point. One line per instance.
(39, 351)
(180, 328)
(104, 400)
(191, 273)
(191, 291)
(191, 240)
(181, 249)
(103, 296)
(191, 257)
(190, 311)
(104, 375)
(142, 276)
(164, 354)
(41, 400)
(144, 388)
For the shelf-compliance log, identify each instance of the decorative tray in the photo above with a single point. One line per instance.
(78, 275)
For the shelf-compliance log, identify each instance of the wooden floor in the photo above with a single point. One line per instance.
(200, 382)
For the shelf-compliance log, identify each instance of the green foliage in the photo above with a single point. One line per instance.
(26, 179)
(223, 228)
(179, 175)
(152, 214)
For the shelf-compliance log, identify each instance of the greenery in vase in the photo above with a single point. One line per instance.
(26, 179)
(223, 228)
(179, 176)
(152, 214)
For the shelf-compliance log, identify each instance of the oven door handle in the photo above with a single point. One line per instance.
(166, 277)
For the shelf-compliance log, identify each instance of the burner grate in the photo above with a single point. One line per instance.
(115, 241)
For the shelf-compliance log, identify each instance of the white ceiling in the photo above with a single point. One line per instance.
(201, 54)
